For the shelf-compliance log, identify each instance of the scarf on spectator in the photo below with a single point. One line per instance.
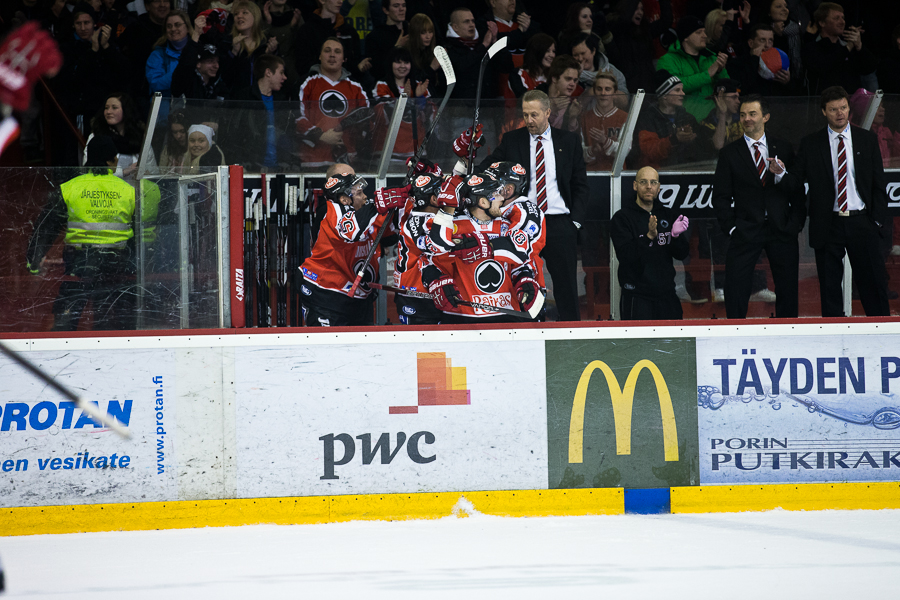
(451, 34)
(338, 19)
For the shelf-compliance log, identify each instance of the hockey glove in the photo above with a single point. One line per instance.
(444, 292)
(26, 54)
(387, 199)
(424, 167)
(527, 290)
(461, 144)
(451, 192)
(473, 247)
(680, 225)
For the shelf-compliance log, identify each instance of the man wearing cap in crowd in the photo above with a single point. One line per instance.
(696, 67)
(197, 74)
(96, 210)
(665, 133)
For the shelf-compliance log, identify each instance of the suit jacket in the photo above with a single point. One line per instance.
(571, 173)
(741, 200)
(813, 165)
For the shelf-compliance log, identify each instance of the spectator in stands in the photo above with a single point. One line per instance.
(889, 65)
(119, 120)
(252, 131)
(401, 78)
(283, 22)
(226, 5)
(724, 34)
(465, 49)
(787, 37)
(518, 27)
(563, 91)
(164, 58)
(724, 121)
(409, 135)
(56, 18)
(394, 32)
(632, 49)
(248, 43)
(139, 39)
(601, 124)
(197, 75)
(539, 55)
(326, 97)
(421, 43)
(586, 50)
(203, 153)
(836, 57)
(665, 133)
(580, 20)
(749, 69)
(697, 68)
(324, 23)
(171, 159)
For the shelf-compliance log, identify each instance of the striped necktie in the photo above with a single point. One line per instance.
(842, 175)
(760, 163)
(540, 176)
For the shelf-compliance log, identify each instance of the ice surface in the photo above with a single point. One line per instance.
(778, 554)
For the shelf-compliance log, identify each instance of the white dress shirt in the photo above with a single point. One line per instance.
(764, 150)
(854, 202)
(555, 203)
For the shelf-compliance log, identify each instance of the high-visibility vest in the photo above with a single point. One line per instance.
(101, 210)
(150, 197)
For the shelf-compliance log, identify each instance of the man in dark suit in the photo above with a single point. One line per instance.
(847, 206)
(558, 187)
(759, 211)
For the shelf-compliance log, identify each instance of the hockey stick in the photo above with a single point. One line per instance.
(494, 49)
(531, 314)
(249, 261)
(92, 411)
(441, 55)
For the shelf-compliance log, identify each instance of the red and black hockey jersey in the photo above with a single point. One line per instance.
(420, 238)
(323, 103)
(525, 216)
(405, 146)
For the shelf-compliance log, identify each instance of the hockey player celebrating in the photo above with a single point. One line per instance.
(346, 235)
(493, 277)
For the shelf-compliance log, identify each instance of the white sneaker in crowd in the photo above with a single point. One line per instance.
(718, 295)
(684, 296)
(765, 295)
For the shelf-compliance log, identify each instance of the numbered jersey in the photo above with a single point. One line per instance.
(525, 216)
(420, 238)
(488, 281)
(345, 238)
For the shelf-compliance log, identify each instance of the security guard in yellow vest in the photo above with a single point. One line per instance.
(97, 211)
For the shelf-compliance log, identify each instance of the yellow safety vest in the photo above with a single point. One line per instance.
(101, 210)
(149, 210)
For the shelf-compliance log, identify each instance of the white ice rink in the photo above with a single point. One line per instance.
(779, 554)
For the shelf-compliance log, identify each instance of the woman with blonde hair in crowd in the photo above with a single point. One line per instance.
(248, 42)
(203, 154)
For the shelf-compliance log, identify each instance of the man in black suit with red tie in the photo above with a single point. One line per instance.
(558, 187)
(759, 211)
(847, 206)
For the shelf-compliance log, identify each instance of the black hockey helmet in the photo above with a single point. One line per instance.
(424, 187)
(342, 184)
(510, 172)
(481, 185)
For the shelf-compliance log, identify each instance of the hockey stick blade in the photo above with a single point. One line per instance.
(92, 410)
(486, 307)
(497, 47)
(446, 66)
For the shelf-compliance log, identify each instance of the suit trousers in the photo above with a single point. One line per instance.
(783, 252)
(857, 236)
(561, 254)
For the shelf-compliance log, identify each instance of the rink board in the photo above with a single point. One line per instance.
(307, 426)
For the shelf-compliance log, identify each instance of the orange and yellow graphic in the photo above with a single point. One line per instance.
(439, 383)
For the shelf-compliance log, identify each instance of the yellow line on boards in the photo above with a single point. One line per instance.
(809, 496)
(308, 510)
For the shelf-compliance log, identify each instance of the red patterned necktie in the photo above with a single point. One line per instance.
(760, 163)
(842, 174)
(540, 177)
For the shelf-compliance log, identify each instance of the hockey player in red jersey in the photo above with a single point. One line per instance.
(345, 236)
(326, 97)
(496, 277)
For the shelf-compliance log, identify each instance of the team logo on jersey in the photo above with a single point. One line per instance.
(475, 180)
(489, 276)
(333, 104)
(519, 169)
(368, 277)
(423, 180)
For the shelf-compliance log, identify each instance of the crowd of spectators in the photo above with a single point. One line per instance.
(336, 62)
